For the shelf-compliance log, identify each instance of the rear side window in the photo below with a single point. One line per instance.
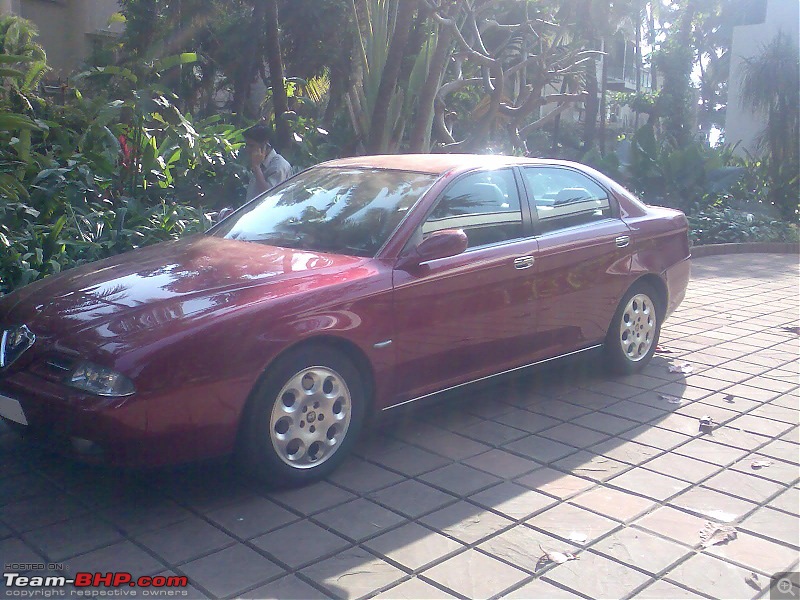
(565, 198)
(485, 205)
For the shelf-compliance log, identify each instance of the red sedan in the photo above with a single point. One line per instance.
(354, 287)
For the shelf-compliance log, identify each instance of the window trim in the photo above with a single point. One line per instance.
(531, 199)
(524, 207)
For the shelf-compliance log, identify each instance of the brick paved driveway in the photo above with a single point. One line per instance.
(461, 499)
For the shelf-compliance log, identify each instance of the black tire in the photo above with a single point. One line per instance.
(318, 365)
(626, 357)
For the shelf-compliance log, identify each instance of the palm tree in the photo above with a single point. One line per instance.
(771, 86)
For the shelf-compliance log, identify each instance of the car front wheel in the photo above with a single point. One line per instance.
(635, 328)
(304, 417)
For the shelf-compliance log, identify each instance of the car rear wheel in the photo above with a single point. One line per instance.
(304, 417)
(632, 338)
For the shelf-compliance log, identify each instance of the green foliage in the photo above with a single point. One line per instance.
(719, 223)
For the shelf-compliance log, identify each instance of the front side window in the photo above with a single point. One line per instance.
(328, 209)
(485, 205)
(565, 198)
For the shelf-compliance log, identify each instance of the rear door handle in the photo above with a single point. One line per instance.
(623, 240)
(523, 262)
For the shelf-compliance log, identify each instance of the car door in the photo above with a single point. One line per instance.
(583, 259)
(463, 317)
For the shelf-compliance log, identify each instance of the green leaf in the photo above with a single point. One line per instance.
(175, 60)
(15, 122)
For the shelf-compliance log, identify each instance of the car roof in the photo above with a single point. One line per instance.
(438, 164)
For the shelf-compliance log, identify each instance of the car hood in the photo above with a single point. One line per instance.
(168, 282)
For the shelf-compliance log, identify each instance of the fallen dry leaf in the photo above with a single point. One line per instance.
(578, 538)
(706, 424)
(752, 581)
(714, 534)
(684, 368)
(728, 398)
(760, 464)
(670, 399)
(794, 330)
(555, 557)
(663, 350)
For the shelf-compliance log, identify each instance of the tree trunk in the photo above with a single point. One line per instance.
(249, 65)
(378, 135)
(591, 106)
(421, 133)
(603, 105)
(280, 102)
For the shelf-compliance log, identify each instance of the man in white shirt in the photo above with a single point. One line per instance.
(268, 167)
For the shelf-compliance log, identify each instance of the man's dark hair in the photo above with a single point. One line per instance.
(259, 133)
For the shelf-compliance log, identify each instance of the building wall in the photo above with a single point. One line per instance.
(65, 27)
(742, 125)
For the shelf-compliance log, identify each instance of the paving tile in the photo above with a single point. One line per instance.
(631, 410)
(659, 590)
(412, 498)
(492, 433)
(773, 524)
(465, 522)
(231, 571)
(682, 467)
(592, 466)
(573, 524)
(501, 463)
(35, 512)
(613, 503)
(525, 420)
(778, 412)
(760, 425)
(524, 547)
(649, 483)
(26, 485)
(185, 540)
(459, 479)
(353, 574)
(289, 587)
(556, 483)
(788, 501)
(714, 577)
(744, 485)
(14, 550)
(541, 449)
(512, 500)
(631, 453)
(445, 443)
(642, 550)
(251, 517)
(300, 543)
(598, 577)
(574, 435)
(539, 588)
(411, 460)
(75, 536)
(711, 452)
(782, 449)
(674, 524)
(312, 498)
(756, 553)
(655, 437)
(413, 546)
(778, 470)
(359, 519)
(414, 589)
(123, 556)
(145, 515)
(361, 477)
(689, 426)
(605, 423)
(475, 575)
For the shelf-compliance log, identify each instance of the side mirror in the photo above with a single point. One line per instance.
(448, 242)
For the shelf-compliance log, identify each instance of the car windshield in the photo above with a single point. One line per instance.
(337, 210)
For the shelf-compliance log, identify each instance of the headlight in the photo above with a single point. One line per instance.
(99, 380)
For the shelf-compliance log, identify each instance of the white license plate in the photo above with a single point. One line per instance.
(12, 410)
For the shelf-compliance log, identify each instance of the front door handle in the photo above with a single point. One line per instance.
(623, 240)
(523, 262)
